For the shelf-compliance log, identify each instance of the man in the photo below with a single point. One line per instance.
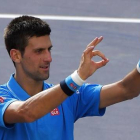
(31, 109)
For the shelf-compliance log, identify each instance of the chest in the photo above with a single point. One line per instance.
(54, 125)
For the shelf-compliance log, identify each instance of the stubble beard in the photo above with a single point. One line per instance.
(39, 76)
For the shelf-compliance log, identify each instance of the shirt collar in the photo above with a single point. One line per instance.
(17, 90)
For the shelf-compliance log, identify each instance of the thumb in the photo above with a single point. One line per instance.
(102, 63)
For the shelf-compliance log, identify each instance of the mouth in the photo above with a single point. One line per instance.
(46, 68)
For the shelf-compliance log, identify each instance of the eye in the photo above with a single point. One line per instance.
(50, 48)
(39, 50)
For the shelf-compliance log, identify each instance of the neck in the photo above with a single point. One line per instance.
(31, 86)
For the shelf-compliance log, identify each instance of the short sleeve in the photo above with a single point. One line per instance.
(87, 101)
(5, 101)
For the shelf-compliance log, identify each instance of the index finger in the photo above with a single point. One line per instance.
(96, 41)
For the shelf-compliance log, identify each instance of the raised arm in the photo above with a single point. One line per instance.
(127, 88)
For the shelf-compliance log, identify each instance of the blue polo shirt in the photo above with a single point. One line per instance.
(56, 125)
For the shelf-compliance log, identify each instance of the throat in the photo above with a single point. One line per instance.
(31, 87)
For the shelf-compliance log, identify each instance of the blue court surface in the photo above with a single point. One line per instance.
(70, 36)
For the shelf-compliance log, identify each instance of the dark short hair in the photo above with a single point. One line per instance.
(21, 29)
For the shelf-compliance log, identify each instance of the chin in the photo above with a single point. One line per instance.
(46, 77)
(41, 77)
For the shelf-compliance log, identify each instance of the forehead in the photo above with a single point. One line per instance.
(37, 42)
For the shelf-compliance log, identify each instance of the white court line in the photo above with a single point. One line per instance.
(77, 18)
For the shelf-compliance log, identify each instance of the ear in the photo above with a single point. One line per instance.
(15, 55)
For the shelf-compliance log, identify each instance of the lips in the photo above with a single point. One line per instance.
(46, 67)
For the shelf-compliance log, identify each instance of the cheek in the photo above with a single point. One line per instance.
(31, 61)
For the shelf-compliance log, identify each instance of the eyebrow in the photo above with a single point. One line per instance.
(42, 48)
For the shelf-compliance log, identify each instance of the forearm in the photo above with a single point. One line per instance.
(127, 88)
(44, 102)
(36, 106)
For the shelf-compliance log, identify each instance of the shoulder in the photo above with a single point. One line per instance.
(3, 88)
(87, 87)
(87, 92)
(5, 91)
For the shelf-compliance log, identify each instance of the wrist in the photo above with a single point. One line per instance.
(77, 79)
(71, 84)
(82, 76)
(138, 66)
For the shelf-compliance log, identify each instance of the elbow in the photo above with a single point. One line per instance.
(29, 118)
(26, 115)
(128, 91)
(130, 94)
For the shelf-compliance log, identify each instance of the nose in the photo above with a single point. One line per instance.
(47, 56)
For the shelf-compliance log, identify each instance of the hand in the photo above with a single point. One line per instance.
(87, 66)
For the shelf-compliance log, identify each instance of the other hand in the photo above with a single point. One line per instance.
(87, 66)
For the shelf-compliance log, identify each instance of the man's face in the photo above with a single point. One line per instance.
(35, 62)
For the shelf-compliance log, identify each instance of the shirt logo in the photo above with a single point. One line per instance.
(2, 100)
(55, 112)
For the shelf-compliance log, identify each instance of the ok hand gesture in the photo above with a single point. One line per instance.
(87, 66)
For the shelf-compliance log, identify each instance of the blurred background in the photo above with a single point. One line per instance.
(121, 45)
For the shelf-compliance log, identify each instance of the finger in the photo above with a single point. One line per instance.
(98, 53)
(89, 49)
(87, 53)
(95, 41)
(101, 63)
(99, 40)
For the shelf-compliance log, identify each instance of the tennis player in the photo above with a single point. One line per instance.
(31, 109)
